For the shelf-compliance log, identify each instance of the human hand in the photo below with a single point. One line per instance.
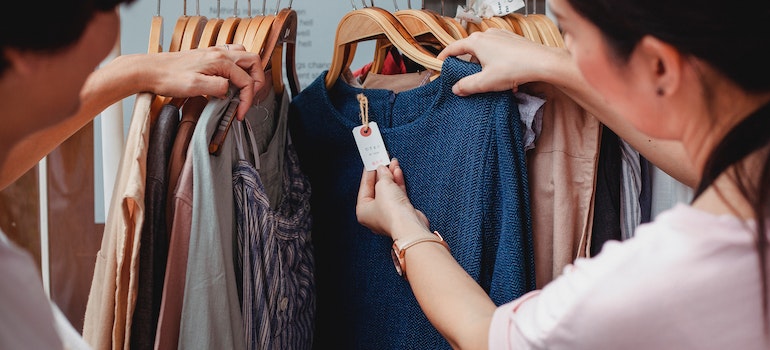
(206, 71)
(508, 60)
(383, 205)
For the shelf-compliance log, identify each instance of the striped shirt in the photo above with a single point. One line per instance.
(274, 247)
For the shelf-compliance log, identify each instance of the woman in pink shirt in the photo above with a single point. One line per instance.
(687, 83)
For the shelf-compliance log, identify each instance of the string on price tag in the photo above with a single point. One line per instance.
(368, 138)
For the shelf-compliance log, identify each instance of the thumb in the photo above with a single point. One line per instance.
(469, 85)
(384, 175)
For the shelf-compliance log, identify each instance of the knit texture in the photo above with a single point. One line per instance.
(464, 166)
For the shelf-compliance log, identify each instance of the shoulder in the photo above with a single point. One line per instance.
(673, 283)
(26, 320)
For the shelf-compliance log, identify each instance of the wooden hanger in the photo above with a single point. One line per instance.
(527, 29)
(455, 28)
(550, 28)
(211, 30)
(283, 33)
(229, 26)
(251, 31)
(193, 30)
(176, 35)
(543, 31)
(423, 25)
(156, 33)
(498, 22)
(243, 26)
(368, 24)
(257, 42)
(422, 22)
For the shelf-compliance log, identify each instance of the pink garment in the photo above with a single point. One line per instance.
(688, 280)
(112, 297)
(167, 334)
(562, 179)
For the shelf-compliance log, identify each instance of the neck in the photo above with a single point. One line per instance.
(727, 110)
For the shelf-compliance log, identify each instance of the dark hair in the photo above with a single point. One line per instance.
(729, 37)
(53, 25)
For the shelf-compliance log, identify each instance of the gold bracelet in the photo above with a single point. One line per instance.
(398, 253)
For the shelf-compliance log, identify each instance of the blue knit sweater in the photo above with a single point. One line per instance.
(465, 169)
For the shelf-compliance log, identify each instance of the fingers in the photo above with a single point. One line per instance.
(366, 188)
(398, 174)
(457, 48)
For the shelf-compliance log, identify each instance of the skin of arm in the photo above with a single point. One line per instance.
(509, 60)
(454, 303)
(179, 74)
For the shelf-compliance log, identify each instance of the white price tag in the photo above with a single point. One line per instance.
(500, 7)
(370, 146)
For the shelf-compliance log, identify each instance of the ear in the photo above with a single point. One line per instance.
(22, 62)
(661, 63)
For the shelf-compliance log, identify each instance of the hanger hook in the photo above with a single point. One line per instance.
(363, 3)
(442, 7)
(277, 6)
(395, 5)
(197, 7)
(158, 14)
(184, 11)
(371, 2)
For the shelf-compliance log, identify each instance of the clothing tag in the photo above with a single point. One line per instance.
(499, 8)
(370, 146)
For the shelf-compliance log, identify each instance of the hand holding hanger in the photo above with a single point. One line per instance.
(495, 49)
(205, 71)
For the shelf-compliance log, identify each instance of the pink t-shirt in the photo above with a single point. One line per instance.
(689, 280)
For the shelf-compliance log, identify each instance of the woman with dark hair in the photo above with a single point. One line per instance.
(49, 89)
(688, 85)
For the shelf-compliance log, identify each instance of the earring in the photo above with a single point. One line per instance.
(660, 91)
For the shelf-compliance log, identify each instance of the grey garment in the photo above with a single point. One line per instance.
(667, 192)
(630, 189)
(26, 318)
(211, 312)
(268, 125)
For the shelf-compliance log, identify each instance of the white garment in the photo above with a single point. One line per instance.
(26, 314)
(688, 280)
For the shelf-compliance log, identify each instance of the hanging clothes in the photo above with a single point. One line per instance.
(211, 315)
(153, 248)
(167, 334)
(464, 166)
(562, 170)
(278, 281)
(112, 297)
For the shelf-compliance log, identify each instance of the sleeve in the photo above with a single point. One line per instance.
(570, 312)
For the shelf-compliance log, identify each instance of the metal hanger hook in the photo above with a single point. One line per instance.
(395, 5)
(277, 6)
(363, 2)
(354, 5)
(158, 14)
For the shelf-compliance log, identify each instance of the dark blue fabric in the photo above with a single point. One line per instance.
(464, 166)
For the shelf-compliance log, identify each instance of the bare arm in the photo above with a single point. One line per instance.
(453, 302)
(509, 60)
(181, 74)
